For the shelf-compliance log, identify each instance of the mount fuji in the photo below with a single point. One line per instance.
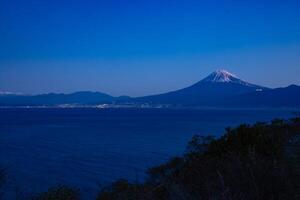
(223, 76)
(219, 89)
(218, 85)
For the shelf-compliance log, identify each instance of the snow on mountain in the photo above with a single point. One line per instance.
(220, 76)
(220, 88)
(210, 91)
(223, 76)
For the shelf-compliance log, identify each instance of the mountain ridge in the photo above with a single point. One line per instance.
(218, 84)
(219, 89)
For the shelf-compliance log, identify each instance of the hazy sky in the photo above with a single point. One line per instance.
(143, 47)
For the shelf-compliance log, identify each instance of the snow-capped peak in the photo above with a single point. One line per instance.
(221, 76)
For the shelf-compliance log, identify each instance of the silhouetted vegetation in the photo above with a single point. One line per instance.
(250, 162)
(255, 162)
(59, 193)
(2, 181)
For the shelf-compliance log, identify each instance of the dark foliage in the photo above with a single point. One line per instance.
(255, 162)
(122, 189)
(2, 180)
(59, 193)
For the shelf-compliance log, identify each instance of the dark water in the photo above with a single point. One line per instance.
(89, 148)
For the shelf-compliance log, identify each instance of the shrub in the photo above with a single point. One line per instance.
(2, 180)
(59, 193)
(250, 162)
(122, 189)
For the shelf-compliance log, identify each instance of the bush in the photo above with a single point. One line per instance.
(249, 162)
(122, 189)
(2, 180)
(59, 193)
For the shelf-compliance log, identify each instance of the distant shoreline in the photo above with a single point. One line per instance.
(149, 107)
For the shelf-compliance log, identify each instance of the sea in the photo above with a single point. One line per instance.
(89, 148)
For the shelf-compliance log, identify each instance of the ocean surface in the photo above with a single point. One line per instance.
(89, 148)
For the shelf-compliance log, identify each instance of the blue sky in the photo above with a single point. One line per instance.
(145, 47)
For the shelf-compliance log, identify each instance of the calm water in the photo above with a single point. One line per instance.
(89, 148)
